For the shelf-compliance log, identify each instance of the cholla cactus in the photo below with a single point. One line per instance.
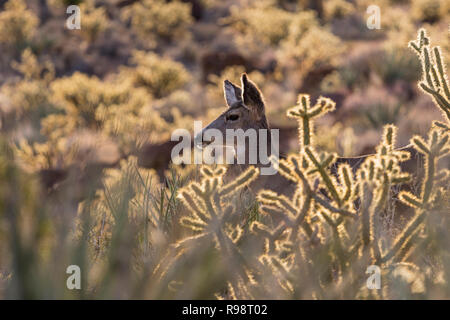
(206, 204)
(436, 147)
(435, 80)
(305, 115)
(329, 219)
(211, 219)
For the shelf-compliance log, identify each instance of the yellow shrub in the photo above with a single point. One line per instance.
(429, 10)
(17, 24)
(160, 76)
(93, 20)
(151, 19)
(312, 49)
(338, 8)
(259, 24)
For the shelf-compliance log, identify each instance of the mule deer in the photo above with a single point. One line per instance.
(246, 110)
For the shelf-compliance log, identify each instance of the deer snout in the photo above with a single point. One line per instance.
(198, 140)
(200, 143)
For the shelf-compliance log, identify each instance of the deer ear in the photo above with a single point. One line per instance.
(232, 93)
(251, 95)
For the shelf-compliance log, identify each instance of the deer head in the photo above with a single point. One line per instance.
(245, 109)
(246, 121)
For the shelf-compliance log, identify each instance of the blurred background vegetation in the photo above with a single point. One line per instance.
(86, 117)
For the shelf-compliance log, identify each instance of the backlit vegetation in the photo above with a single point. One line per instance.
(17, 24)
(153, 19)
(85, 123)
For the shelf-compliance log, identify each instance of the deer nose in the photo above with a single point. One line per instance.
(199, 142)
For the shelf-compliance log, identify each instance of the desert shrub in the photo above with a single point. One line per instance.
(86, 99)
(32, 91)
(182, 100)
(118, 109)
(156, 19)
(106, 109)
(301, 24)
(396, 65)
(115, 108)
(29, 101)
(399, 1)
(259, 24)
(332, 82)
(17, 24)
(388, 66)
(160, 76)
(378, 115)
(116, 113)
(292, 35)
(374, 106)
(338, 8)
(81, 148)
(29, 98)
(363, 4)
(348, 77)
(429, 10)
(31, 69)
(400, 28)
(94, 20)
(64, 3)
(310, 48)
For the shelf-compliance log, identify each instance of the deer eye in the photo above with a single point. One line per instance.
(232, 117)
